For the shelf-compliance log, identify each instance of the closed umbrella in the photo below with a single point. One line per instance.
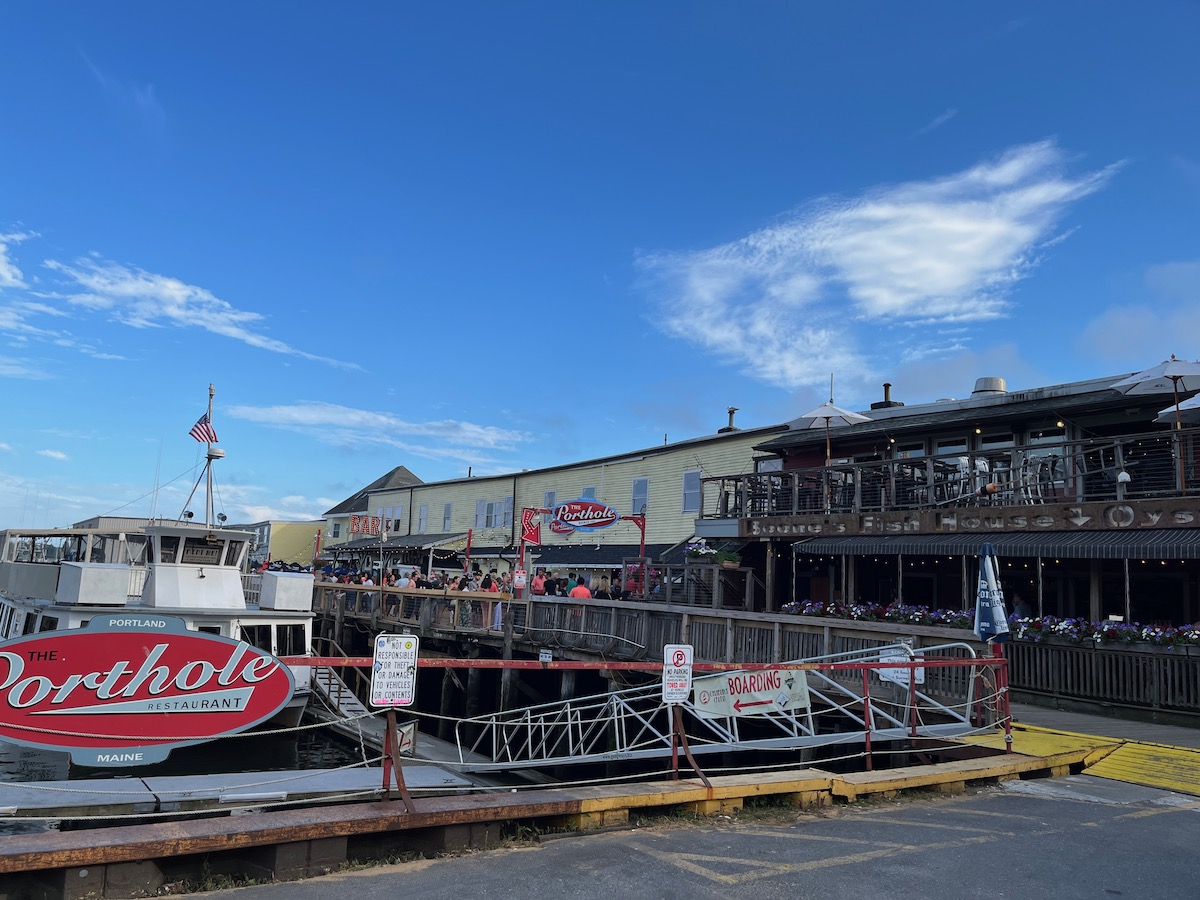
(991, 621)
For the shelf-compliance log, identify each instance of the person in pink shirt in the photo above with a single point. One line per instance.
(537, 586)
(580, 592)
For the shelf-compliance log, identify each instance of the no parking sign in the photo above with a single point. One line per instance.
(677, 673)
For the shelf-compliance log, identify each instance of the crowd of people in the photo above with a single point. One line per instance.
(475, 581)
(544, 583)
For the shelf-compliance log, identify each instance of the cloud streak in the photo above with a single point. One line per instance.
(141, 299)
(786, 303)
(938, 122)
(344, 426)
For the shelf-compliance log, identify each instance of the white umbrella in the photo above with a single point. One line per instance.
(829, 416)
(1187, 411)
(991, 622)
(1171, 376)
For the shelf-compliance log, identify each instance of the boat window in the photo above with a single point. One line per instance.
(30, 625)
(49, 623)
(257, 636)
(233, 552)
(6, 617)
(290, 640)
(139, 548)
(201, 551)
(209, 629)
(170, 547)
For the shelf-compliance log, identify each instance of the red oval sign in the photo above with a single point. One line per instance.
(128, 688)
(584, 515)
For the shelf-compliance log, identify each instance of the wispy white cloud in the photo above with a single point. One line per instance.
(6, 447)
(349, 427)
(10, 275)
(142, 299)
(136, 100)
(787, 303)
(23, 368)
(937, 122)
(53, 454)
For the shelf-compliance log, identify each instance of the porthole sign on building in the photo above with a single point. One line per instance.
(129, 688)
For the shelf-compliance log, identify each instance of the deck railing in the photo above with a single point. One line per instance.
(1163, 679)
(1130, 467)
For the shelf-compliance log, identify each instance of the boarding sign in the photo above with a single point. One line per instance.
(394, 670)
(677, 673)
(751, 693)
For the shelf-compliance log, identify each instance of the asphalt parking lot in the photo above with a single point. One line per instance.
(1078, 836)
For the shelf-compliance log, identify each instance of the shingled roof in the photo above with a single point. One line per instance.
(399, 477)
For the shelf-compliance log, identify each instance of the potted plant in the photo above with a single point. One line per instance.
(701, 552)
(727, 558)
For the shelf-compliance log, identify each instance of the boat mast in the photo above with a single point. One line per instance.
(208, 495)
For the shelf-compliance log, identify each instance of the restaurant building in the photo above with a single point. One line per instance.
(655, 493)
(1090, 496)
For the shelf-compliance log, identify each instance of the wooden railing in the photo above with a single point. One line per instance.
(1153, 464)
(1163, 680)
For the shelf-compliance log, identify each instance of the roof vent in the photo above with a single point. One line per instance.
(887, 402)
(730, 427)
(989, 386)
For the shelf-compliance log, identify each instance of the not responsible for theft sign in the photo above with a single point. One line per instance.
(394, 670)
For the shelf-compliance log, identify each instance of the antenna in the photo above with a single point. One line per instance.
(830, 387)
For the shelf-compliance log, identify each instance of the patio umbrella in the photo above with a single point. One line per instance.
(1170, 376)
(829, 416)
(1187, 411)
(991, 622)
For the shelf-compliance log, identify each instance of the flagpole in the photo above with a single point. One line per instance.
(208, 500)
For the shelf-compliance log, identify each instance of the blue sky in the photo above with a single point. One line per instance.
(506, 236)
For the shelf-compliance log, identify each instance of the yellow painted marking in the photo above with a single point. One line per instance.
(1153, 765)
(1042, 742)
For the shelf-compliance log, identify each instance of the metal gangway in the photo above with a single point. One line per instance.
(857, 696)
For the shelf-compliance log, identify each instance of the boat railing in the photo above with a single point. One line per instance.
(252, 587)
(1129, 467)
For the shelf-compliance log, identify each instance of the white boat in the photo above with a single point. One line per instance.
(57, 579)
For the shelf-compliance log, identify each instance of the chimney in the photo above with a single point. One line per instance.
(887, 402)
(730, 427)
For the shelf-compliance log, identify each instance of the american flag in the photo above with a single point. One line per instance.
(203, 431)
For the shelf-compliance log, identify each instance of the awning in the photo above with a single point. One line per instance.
(589, 556)
(1164, 543)
(454, 541)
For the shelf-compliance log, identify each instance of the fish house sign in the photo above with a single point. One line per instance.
(127, 689)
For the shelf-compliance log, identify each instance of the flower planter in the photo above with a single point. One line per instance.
(729, 564)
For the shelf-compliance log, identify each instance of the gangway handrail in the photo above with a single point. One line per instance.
(633, 723)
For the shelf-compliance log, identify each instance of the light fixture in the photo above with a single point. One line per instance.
(1060, 424)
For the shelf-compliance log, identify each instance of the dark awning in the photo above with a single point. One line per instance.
(589, 556)
(1164, 543)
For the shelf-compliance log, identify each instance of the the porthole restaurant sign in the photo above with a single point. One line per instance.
(127, 689)
(582, 515)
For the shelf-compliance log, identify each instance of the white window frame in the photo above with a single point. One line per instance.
(447, 510)
(694, 493)
(480, 512)
(422, 517)
(643, 495)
